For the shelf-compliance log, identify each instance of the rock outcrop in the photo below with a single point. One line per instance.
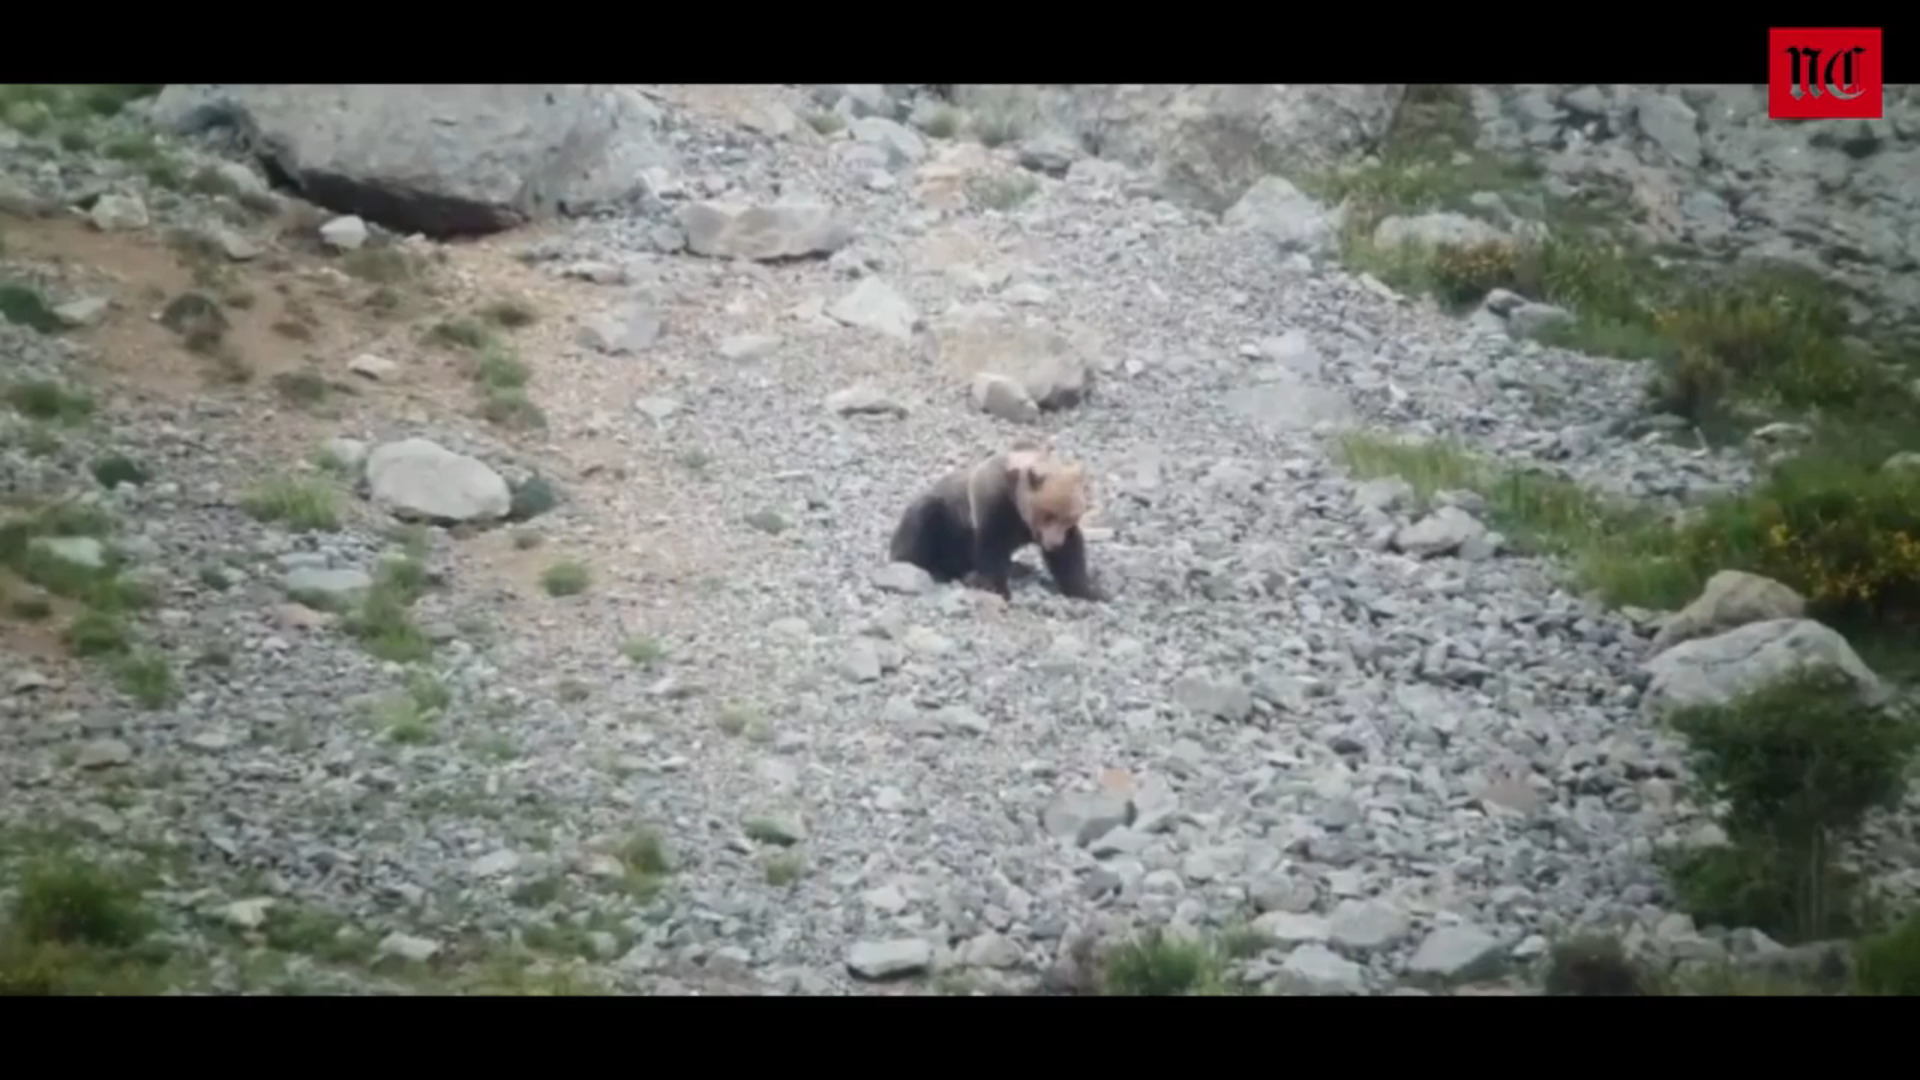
(442, 160)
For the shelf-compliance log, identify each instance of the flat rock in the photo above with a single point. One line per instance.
(763, 233)
(899, 958)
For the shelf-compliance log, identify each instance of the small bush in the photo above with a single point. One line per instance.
(1799, 765)
(460, 334)
(304, 389)
(1001, 192)
(28, 307)
(512, 409)
(97, 633)
(44, 400)
(510, 312)
(116, 469)
(69, 902)
(942, 123)
(1464, 274)
(499, 369)
(1889, 963)
(568, 578)
(642, 650)
(1592, 967)
(301, 505)
(1846, 536)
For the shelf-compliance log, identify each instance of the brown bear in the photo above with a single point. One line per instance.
(971, 522)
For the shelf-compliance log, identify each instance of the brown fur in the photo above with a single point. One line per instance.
(973, 520)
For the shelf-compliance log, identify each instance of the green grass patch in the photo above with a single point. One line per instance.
(43, 399)
(300, 504)
(1843, 535)
(383, 623)
(1157, 965)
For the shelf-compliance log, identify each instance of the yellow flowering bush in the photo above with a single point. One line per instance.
(1846, 536)
(1465, 273)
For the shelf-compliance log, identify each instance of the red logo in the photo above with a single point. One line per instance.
(1825, 73)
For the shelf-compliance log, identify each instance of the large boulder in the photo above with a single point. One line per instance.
(418, 479)
(1205, 144)
(443, 160)
(1725, 667)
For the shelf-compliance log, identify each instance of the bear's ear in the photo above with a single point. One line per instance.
(1031, 474)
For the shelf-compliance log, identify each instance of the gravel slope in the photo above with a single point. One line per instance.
(1397, 766)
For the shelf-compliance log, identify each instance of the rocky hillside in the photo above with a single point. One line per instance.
(446, 536)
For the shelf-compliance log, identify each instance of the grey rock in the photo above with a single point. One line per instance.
(1715, 670)
(418, 478)
(763, 233)
(438, 159)
(894, 959)
(875, 305)
(1457, 953)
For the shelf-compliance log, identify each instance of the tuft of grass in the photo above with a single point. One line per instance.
(510, 312)
(644, 855)
(1001, 192)
(783, 868)
(378, 264)
(997, 126)
(1155, 965)
(27, 306)
(943, 122)
(404, 721)
(499, 369)
(43, 399)
(148, 678)
(303, 505)
(460, 334)
(566, 578)
(303, 389)
(643, 650)
(512, 409)
(383, 624)
(97, 633)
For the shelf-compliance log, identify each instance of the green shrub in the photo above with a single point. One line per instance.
(1846, 536)
(1799, 765)
(1889, 963)
(28, 307)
